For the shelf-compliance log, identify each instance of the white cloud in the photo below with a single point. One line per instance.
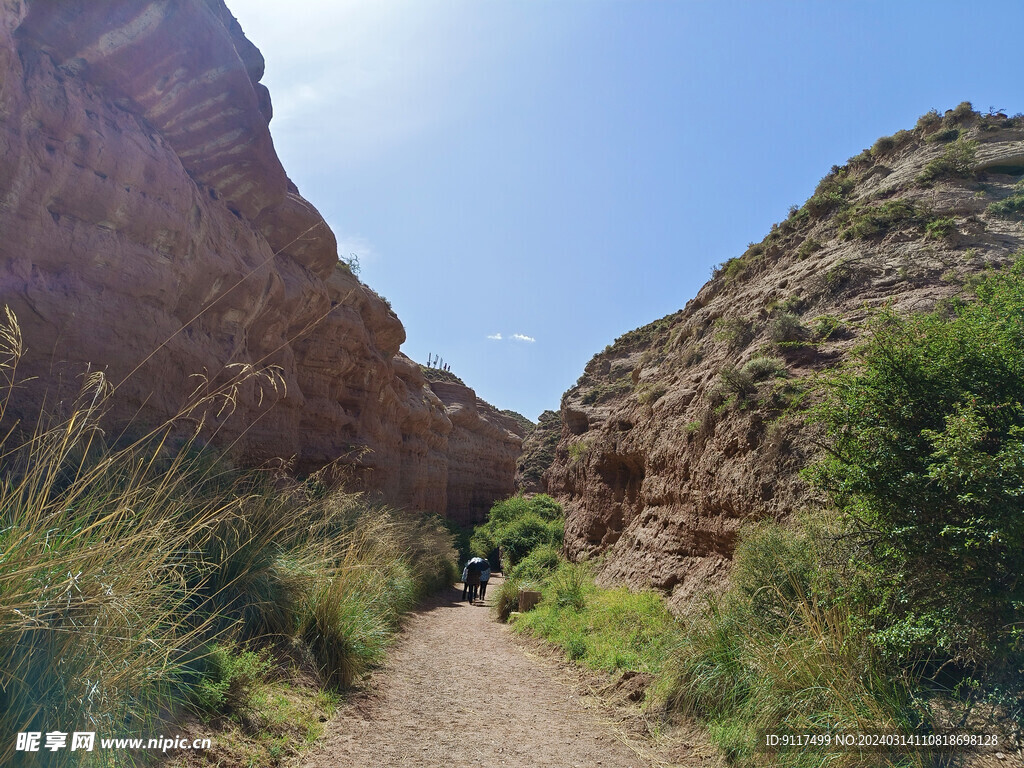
(495, 337)
(522, 337)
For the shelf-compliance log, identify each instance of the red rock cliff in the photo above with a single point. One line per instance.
(150, 231)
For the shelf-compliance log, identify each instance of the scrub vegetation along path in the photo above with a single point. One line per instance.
(460, 689)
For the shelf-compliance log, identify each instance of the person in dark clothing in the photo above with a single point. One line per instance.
(471, 579)
(485, 576)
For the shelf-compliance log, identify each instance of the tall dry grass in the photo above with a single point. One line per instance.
(123, 567)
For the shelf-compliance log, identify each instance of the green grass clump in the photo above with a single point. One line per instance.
(650, 393)
(578, 450)
(940, 228)
(830, 194)
(957, 162)
(506, 599)
(825, 327)
(229, 678)
(866, 221)
(1011, 207)
(807, 247)
(606, 391)
(606, 629)
(761, 368)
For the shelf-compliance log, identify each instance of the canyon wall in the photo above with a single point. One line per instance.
(683, 430)
(149, 231)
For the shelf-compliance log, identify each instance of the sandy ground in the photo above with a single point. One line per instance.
(460, 689)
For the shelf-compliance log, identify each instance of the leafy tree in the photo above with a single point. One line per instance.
(518, 525)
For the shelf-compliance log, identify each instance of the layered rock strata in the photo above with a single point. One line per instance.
(687, 428)
(150, 231)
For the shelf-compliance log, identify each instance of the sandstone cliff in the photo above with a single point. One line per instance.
(538, 453)
(683, 429)
(150, 231)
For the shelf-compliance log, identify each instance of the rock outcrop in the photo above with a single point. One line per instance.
(150, 231)
(686, 428)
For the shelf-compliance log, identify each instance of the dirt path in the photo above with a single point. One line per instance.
(459, 689)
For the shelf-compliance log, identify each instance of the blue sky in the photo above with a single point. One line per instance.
(569, 170)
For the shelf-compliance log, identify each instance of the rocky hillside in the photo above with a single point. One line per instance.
(150, 231)
(682, 430)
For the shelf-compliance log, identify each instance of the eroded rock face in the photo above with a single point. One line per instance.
(673, 438)
(538, 453)
(149, 231)
(477, 474)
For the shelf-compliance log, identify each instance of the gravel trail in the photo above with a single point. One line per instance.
(459, 689)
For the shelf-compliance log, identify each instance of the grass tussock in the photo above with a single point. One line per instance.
(128, 569)
(780, 653)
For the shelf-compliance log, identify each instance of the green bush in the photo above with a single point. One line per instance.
(517, 526)
(734, 331)
(537, 565)
(927, 431)
(523, 535)
(944, 136)
(830, 194)
(786, 328)
(883, 146)
(736, 381)
(961, 113)
(761, 368)
(929, 120)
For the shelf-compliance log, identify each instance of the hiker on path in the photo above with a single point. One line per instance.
(485, 576)
(471, 579)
